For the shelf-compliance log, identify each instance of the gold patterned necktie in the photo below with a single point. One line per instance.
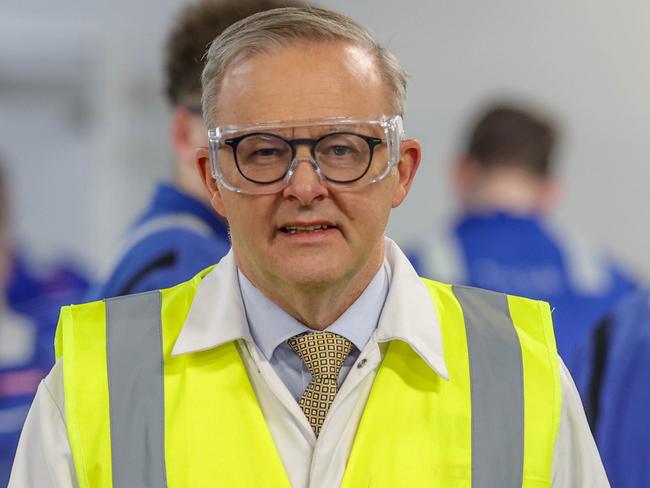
(323, 353)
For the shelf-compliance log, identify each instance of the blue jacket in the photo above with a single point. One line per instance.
(175, 238)
(23, 364)
(522, 255)
(612, 373)
(27, 325)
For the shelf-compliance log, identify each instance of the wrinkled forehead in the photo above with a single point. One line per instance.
(306, 81)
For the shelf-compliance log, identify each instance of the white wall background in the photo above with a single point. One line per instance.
(83, 125)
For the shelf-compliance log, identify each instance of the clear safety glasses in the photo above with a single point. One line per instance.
(345, 153)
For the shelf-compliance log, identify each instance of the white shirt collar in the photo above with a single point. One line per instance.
(217, 313)
(409, 313)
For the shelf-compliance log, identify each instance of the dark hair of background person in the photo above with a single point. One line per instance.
(194, 29)
(507, 135)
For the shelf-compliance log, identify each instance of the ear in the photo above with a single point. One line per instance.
(181, 139)
(463, 176)
(202, 158)
(410, 154)
(550, 193)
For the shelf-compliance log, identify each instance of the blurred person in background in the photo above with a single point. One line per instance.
(40, 289)
(612, 373)
(31, 287)
(179, 234)
(503, 240)
(26, 337)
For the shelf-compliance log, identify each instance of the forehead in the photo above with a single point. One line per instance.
(305, 81)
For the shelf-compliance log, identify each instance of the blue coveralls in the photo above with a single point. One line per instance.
(25, 358)
(521, 255)
(612, 373)
(175, 238)
(33, 298)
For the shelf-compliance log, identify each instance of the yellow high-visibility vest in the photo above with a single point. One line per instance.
(138, 417)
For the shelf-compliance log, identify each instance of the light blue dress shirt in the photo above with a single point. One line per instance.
(271, 327)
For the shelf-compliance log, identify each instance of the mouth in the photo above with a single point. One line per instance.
(306, 229)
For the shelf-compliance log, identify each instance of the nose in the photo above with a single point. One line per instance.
(306, 184)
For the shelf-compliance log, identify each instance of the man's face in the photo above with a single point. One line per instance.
(304, 82)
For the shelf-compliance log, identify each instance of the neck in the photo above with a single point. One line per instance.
(187, 179)
(509, 191)
(318, 305)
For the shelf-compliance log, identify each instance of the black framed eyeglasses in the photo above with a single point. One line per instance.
(341, 157)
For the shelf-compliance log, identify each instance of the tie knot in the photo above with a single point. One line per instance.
(322, 352)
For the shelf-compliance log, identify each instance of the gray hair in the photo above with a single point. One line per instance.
(279, 28)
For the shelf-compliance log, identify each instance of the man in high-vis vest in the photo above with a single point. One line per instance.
(312, 355)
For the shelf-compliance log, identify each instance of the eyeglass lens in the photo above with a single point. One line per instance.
(342, 157)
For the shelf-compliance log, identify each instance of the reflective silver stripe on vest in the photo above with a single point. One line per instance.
(497, 389)
(135, 370)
